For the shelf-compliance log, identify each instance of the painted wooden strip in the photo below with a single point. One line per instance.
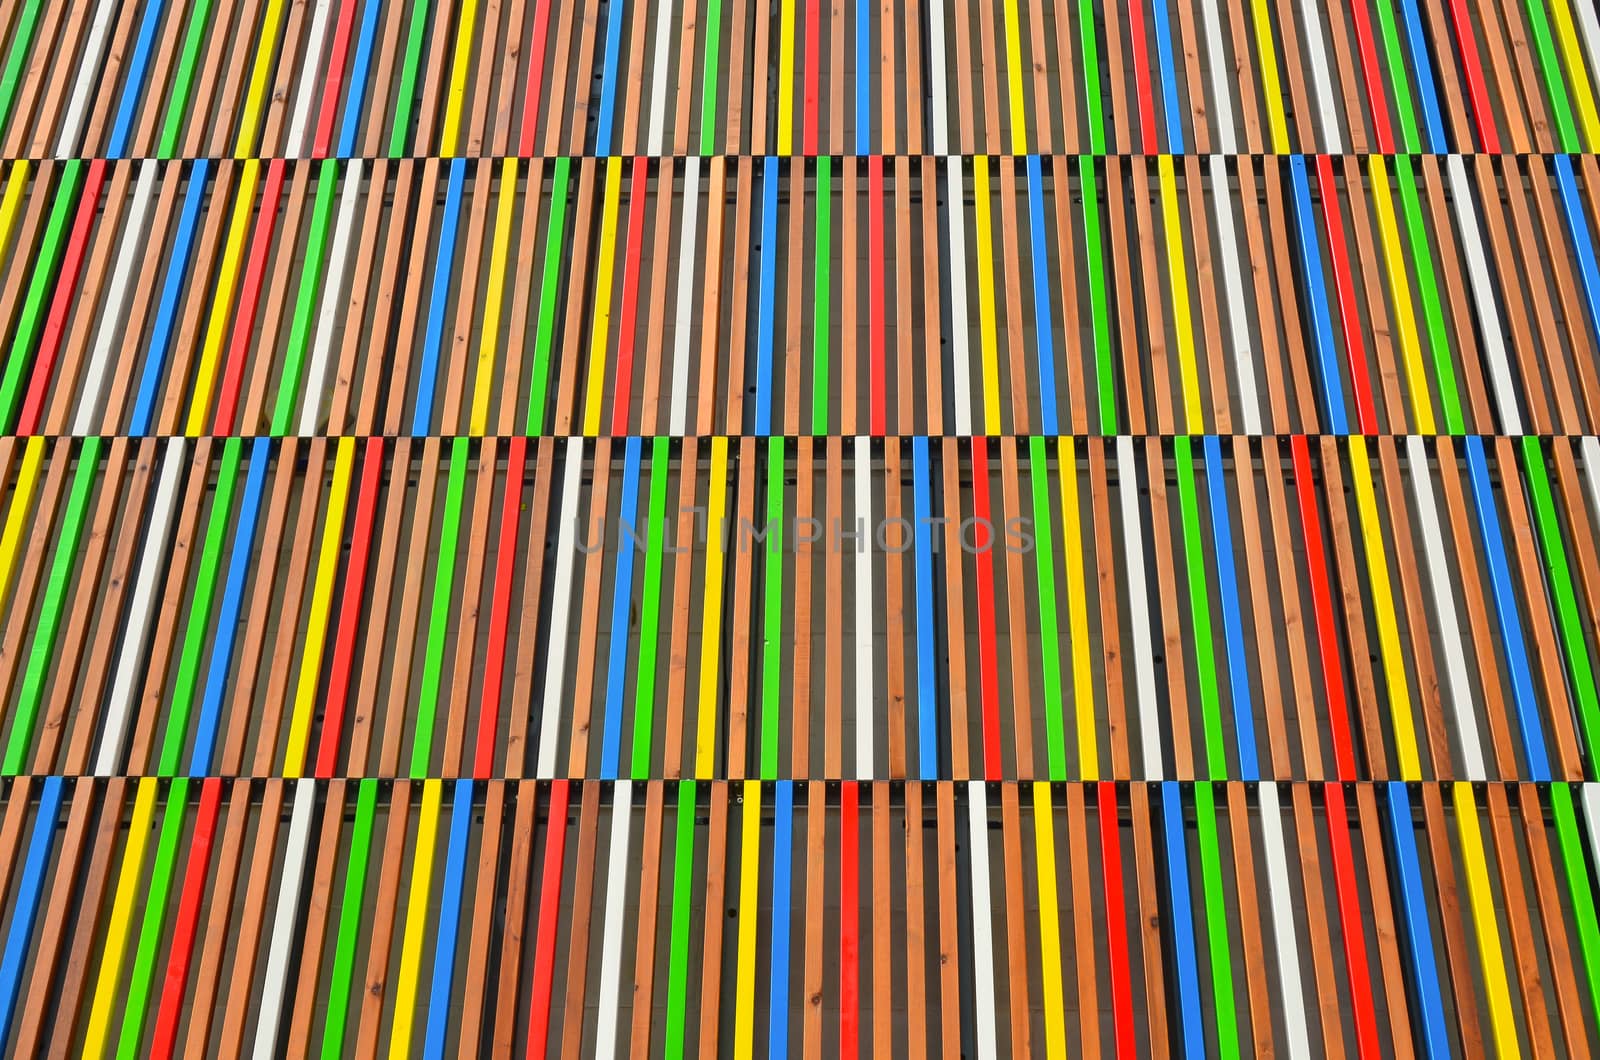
(779, 1002)
(1233, 285)
(1445, 614)
(333, 285)
(1331, 385)
(550, 717)
(30, 889)
(711, 624)
(186, 921)
(44, 276)
(611, 738)
(66, 286)
(849, 919)
(291, 881)
(1530, 723)
(1119, 962)
(1233, 632)
(1055, 1031)
(1355, 347)
(1352, 934)
(1580, 671)
(1283, 922)
(1419, 935)
(120, 703)
(343, 662)
(866, 697)
(1139, 617)
(983, 936)
(650, 611)
(988, 642)
(1049, 629)
(161, 336)
(616, 889)
(416, 913)
(439, 613)
(432, 347)
(98, 1028)
(1200, 611)
(321, 602)
(1083, 676)
(628, 316)
(1444, 372)
(749, 918)
(1191, 1031)
(1327, 631)
(30, 695)
(1485, 920)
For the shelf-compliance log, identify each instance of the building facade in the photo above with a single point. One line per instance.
(815, 527)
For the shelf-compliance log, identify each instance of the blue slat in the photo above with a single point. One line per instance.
(239, 567)
(1583, 245)
(616, 667)
(1169, 78)
(1233, 630)
(356, 100)
(782, 868)
(765, 312)
(171, 295)
(29, 890)
(1041, 295)
(438, 305)
(1423, 66)
(608, 82)
(1194, 1039)
(927, 688)
(865, 77)
(1419, 932)
(1317, 297)
(1505, 599)
(444, 960)
(133, 88)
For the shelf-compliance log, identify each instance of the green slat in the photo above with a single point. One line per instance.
(682, 894)
(772, 599)
(644, 704)
(1560, 102)
(708, 101)
(1194, 555)
(1397, 76)
(405, 100)
(822, 299)
(44, 638)
(1560, 582)
(1105, 373)
(1428, 284)
(1090, 60)
(1577, 871)
(439, 617)
(194, 634)
(178, 103)
(39, 290)
(549, 288)
(305, 304)
(1049, 630)
(341, 981)
(20, 44)
(150, 927)
(1216, 921)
